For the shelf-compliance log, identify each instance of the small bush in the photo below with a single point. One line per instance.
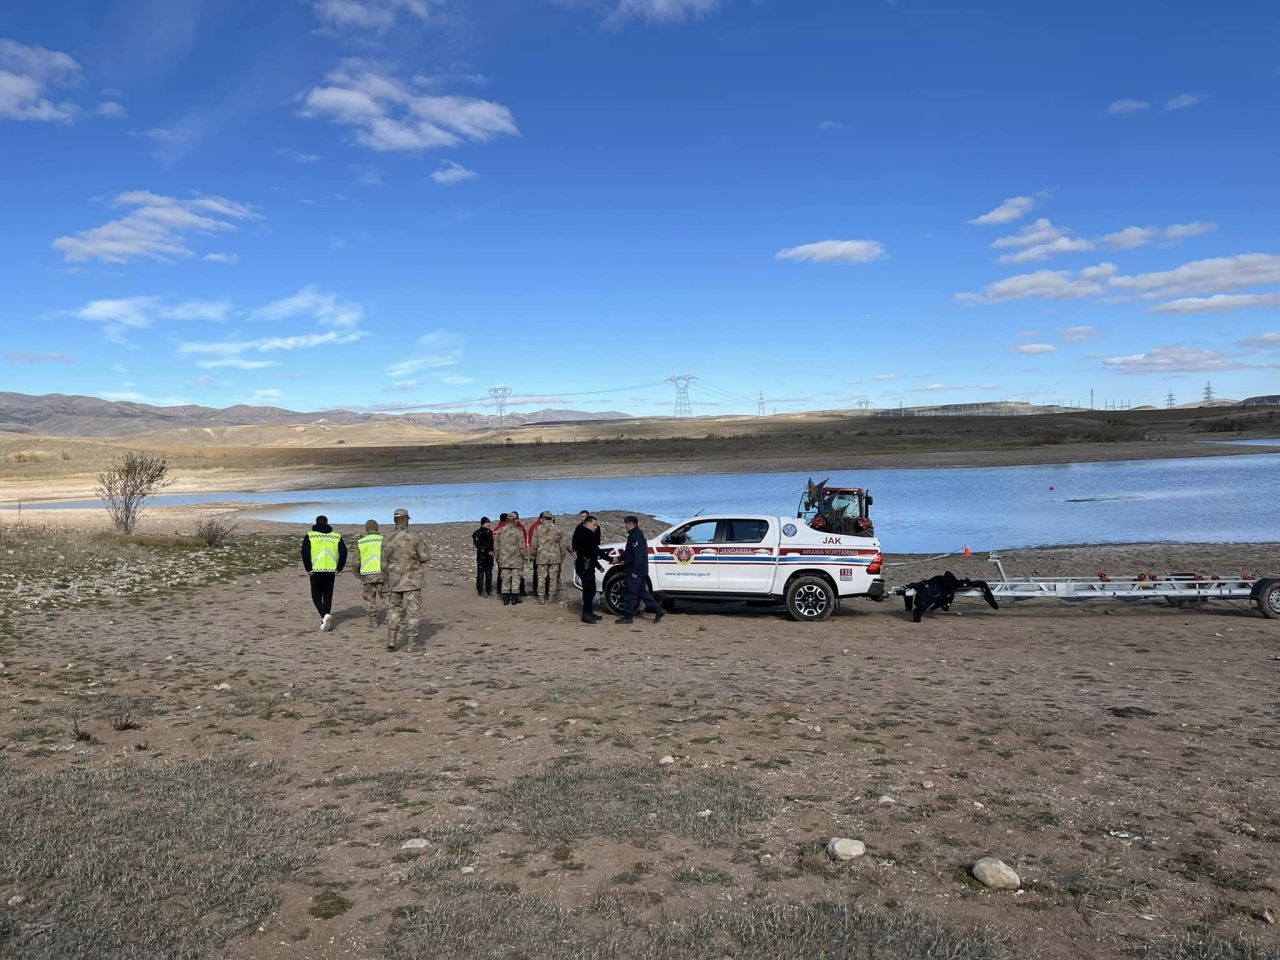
(128, 483)
(214, 531)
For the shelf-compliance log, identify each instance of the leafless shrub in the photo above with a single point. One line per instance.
(128, 483)
(214, 531)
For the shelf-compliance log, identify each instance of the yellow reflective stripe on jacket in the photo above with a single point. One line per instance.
(370, 554)
(324, 551)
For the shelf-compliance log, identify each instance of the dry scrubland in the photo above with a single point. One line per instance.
(499, 792)
(284, 457)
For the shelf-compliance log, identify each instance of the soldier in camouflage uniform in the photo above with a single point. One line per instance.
(512, 553)
(404, 554)
(548, 554)
(368, 569)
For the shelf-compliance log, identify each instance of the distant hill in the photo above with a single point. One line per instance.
(60, 415)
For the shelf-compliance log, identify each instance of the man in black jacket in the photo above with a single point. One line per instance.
(635, 561)
(586, 559)
(483, 540)
(324, 554)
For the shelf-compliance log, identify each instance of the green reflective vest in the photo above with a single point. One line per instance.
(370, 554)
(324, 551)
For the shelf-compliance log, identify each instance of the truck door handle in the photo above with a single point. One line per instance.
(762, 552)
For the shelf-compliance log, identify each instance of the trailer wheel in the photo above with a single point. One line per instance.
(1269, 600)
(810, 599)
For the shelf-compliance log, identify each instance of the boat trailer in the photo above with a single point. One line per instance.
(1178, 590)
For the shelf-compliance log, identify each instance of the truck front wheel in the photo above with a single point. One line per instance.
(810, 599)
(614, 593)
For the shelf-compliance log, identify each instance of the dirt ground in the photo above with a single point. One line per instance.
(1121, 758)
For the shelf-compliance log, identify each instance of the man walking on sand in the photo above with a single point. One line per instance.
(512, 552)
(404, 556)
(373, 582)
(323, 557)
(635, 561)
(548, 555)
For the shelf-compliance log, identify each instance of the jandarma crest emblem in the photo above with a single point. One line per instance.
(789, 530)
(684, 556)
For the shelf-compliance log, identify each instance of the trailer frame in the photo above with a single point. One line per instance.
(1178, 590)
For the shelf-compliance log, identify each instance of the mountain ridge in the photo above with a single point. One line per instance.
(74, 415)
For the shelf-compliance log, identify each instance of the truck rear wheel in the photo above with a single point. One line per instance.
(1269, 600)
(810, 599)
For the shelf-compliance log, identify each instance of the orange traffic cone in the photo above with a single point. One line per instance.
(966, 550)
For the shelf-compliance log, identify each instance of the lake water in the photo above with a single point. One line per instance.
(1207, 499)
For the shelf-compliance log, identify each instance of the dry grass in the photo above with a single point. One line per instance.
(130, 862)
(629, 802)
(484, 924)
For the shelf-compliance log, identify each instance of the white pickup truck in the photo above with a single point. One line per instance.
(754, 559)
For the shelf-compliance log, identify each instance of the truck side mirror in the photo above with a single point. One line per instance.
(870, 500)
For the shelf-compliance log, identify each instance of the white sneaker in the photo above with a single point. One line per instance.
(327, 622)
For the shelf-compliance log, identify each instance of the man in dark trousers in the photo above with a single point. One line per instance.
(586, 558)
(483, 540)
(323, 557)
(635, 561)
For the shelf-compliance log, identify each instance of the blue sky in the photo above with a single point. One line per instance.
(391, 204)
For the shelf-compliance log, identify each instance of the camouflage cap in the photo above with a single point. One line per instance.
(547, 515)
(400, 512)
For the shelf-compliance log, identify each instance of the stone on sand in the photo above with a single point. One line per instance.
(843, 848)
(996, 874)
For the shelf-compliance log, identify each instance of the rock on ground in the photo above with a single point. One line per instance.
(996, 874)
(843, 848)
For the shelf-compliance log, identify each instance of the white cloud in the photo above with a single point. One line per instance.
(1180, 231)
(155, 227)
(1203, 276)
(1131, 237)
(1014, 208)
(1218, 303)
(221, 257)
(325, 308)
(298, 156)
(450, 173)
(390, 115)
(1173, 360)
(1121, 108)
(663, 11)
(1034, 348)
(1049, 284)
(1039, 240)
(442, 349)
(1199, 276)
(885, 377)
(828, 125)
(26, 76)
(1077, 334)
(260, 396)
(455, 378)
(26, 358)
(1263, 341)
(118, 316)
(834, 251)
(375, 15)
(1184, 100)
(334, 322)
(111, 108)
